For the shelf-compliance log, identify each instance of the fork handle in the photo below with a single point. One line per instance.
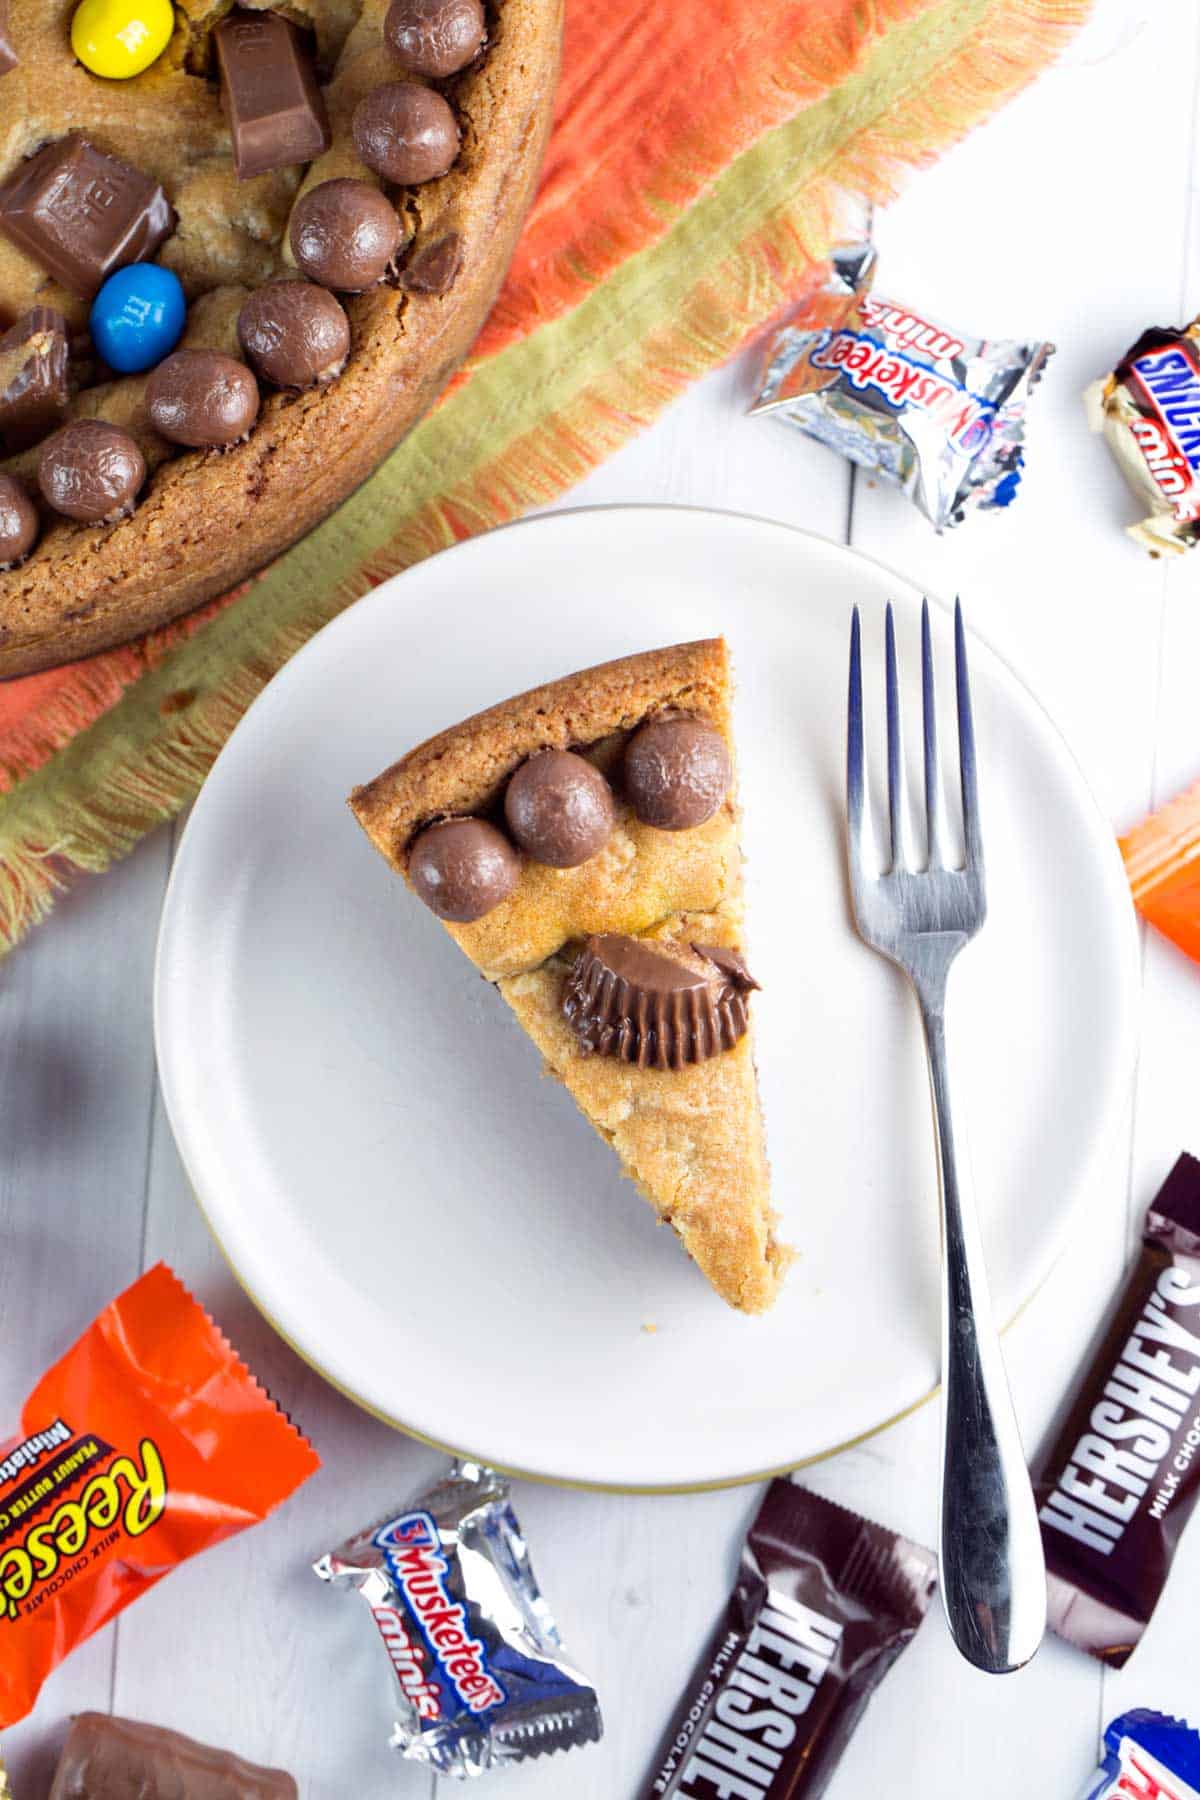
(993, 1573)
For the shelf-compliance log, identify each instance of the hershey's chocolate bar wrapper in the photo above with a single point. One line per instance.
(480, 1679)
(1147, 1756)
(823, 1605)
(932, 411)
(1118, 1481)
(1149, 412)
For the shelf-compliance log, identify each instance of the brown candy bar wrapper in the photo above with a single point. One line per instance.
(824, 1603)
(122, 1760)
(1118, 1482)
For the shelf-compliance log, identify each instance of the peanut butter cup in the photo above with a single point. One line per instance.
(658, 1005)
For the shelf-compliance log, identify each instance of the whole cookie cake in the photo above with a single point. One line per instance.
(242, 250)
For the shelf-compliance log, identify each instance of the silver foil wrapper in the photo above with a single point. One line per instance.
(929, 410)
(478, 1675)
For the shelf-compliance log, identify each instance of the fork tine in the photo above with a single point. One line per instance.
(895, 750)
(966, 746)
(933, 778)
(854, 750)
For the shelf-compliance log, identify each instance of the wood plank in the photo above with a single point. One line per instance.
(76, 1079)
(1166, 1094)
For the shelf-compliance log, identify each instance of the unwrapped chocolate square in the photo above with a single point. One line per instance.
(270, 94)
(33, 377)
(105, 1758)
(80, 213)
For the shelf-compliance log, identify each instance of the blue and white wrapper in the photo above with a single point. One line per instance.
(1148, 1756)
(928, 410)
(477, 1674)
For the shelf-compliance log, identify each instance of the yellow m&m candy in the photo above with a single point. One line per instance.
(120, 38)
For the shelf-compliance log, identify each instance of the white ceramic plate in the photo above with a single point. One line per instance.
(436, 1228)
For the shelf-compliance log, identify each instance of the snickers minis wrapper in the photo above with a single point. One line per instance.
(1149, 412)
(1118, 1482)
(932, 411)
(478, 1675)
(823, 1605)
(1147, 1756)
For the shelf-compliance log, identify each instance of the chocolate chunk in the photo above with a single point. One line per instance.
(435, 38)
(559, 809)
(661, 1006)
(8, 55)
(463, 868)
(677, 772)
(123, 1760)
(345, 235)
(202, 399)
(294, 333)
(405, 132)
(91, 471)
(80, 213)
(18, 522)
(33, 377)
(269, 91)
(434, 268)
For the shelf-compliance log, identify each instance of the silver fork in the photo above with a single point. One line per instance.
(993, 1575)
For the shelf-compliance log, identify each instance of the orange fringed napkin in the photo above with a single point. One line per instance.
(1162, 860)
(689, 193)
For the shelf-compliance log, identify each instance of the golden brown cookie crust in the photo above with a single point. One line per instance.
(205, 521)
(691, 1139)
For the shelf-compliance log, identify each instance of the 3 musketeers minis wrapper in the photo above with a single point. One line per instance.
(927, 409)
(479, 1678)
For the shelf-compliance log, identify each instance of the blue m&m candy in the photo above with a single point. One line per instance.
(138, 317)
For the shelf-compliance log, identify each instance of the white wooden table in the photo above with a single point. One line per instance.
(1074, 216)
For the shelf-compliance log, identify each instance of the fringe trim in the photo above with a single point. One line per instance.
(59, 835)
(813, 50)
